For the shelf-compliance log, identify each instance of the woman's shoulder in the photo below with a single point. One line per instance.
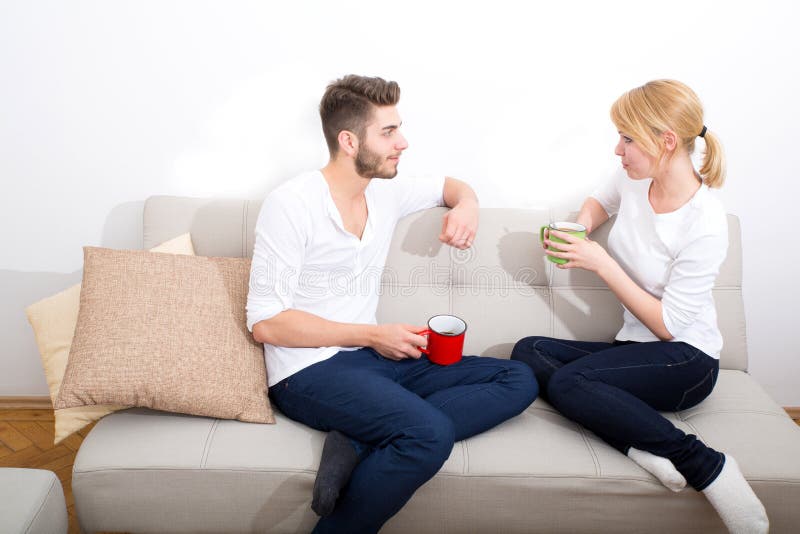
(708, 214)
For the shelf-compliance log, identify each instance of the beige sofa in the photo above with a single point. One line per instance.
(145, 471)
(31, 502)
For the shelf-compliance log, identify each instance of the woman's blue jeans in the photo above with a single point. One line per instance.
(617, 389)
(407, 414)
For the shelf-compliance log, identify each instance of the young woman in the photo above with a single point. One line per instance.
(665, 250)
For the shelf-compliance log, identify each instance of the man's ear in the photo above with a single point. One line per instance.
(348, 142)
(670, 140)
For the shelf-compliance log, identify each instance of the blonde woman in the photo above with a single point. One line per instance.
(665, 250)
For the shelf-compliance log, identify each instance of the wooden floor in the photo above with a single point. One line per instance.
(26, 440)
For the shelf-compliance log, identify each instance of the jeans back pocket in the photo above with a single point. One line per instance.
(698, 393)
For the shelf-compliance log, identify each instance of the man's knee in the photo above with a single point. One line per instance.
(433, 436)
(523, 383)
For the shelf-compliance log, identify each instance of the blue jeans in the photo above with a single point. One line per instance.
(408, 413)
(617, 389)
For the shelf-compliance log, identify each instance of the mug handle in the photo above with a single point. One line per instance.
(426, 333)
(541, 233)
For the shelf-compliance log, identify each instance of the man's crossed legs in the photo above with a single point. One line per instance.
(403, 416)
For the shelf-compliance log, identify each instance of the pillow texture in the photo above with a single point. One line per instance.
(166, 332)
(53, 320)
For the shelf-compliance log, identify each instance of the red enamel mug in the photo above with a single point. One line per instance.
(445, 335)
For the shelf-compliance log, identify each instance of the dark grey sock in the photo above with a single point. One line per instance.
(339, 458)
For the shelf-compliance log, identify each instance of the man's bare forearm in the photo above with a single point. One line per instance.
(295, 328)
(456, 191)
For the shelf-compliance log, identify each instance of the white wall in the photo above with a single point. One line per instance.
(103, 104)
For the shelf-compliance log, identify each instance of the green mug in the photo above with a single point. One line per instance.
(571, 228)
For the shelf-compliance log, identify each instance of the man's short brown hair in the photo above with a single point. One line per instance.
(347, 105)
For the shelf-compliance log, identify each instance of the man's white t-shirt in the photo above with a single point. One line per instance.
(305, 260)
(673, 256)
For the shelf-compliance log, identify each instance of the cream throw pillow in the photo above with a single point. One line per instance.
(53, 320)
(166, 332)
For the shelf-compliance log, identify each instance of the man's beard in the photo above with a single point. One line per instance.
(368, 164)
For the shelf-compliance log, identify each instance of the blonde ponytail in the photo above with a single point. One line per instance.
(713, 169)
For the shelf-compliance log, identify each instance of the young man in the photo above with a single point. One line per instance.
(321, 238)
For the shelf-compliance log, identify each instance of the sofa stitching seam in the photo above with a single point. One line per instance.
(41, 506)
(597, 470)
(472, 475)
(518, 285)
(711, 412)
(207, 445)
(690, 425)
(450, 284)
(465, 453)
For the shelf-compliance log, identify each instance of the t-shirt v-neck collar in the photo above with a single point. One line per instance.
(669, 214)
(336, 216)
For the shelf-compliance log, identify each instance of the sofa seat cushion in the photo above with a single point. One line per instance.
(31, 502)
(537, 472)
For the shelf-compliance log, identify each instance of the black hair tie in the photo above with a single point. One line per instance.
(703, 131)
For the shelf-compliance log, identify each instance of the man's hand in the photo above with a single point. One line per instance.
(398, 341)
(460, 224)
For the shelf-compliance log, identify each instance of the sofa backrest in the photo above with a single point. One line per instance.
(503, 286)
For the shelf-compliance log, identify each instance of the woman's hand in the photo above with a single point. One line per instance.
(582, 253)
(589, 255)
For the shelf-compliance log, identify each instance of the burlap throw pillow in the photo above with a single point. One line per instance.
(166, 332)
(53, 320)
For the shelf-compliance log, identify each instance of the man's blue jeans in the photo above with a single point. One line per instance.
(408, 413)
(616, 390)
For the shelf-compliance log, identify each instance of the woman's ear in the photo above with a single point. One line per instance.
(670, 140)
(348, 142)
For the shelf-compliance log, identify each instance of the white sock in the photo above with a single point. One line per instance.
(735, 502)
(659, 467)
